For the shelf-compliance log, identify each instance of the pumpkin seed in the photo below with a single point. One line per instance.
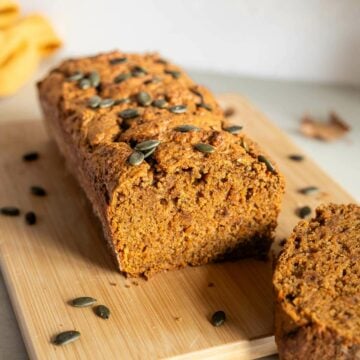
(147, 145)
(296, 157)
(174, 73)
(153, 80)
(38, 191)
(244, 145)
(136, 158)
(10, 211)
(310, 190)
(119, 60)
(94, 102)
(205, 106)
(102, 311)
(161, 61)
(303, 212)
(121, 77)
(178, 109)
(129, 113)
(160, 103)
(149, 152)
(197, 93)
(121, 101)
(83, 301)
(218, 318)
(30, 218)
(106, 103)
(186, 128)
(84, 84)
(94, 79)
(268, 164)
(144, 98)
(66, 337)
(138, 71)
(205, 148)
(233, 129)
(76, 76)
(31, 156)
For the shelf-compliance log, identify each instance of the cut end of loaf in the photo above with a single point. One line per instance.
(317, 282)
(184, 207)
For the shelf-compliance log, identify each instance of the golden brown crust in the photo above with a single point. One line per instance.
(180, 206)
(317, 282)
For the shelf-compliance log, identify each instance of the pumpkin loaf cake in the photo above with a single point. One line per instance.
(171, 182)
(317, 287)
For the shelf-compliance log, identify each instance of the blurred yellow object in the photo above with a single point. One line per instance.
(18, 60)
(9, 12)
(35, 28)
(22, 45)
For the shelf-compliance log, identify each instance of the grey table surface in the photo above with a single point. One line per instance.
(283, 102)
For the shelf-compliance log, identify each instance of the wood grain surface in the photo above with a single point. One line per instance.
(64, 256)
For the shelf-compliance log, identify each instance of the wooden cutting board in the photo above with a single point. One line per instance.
(64, 256)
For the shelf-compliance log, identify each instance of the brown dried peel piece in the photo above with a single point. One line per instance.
(332, 129)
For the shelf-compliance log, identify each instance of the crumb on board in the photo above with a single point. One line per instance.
(229, 111)
(211, 284)
(282, 242)
(322, 195)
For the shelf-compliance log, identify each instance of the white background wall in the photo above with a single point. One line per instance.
(298, 39)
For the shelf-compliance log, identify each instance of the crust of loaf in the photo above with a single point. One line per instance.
(311, 341)
(151, 214)
(75, 165)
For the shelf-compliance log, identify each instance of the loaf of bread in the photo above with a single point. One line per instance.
(172, 184)
(317, 287)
